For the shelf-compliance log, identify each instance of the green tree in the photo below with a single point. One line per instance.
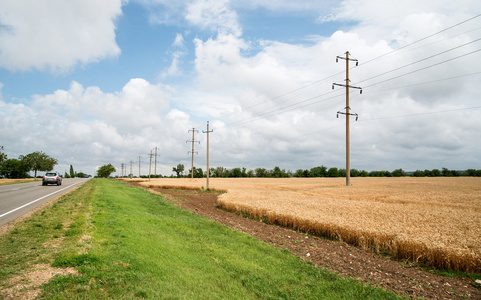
(318, 172)
(105, 170)
(198, 173)
(277, 173)
(363, 173)
(72, 173)
(14, 168)
(418, 173)
(333, 172)
(179, 169)
(3, 156)
(260, 172)
(398, 173)
(235, 172)
(38, 161)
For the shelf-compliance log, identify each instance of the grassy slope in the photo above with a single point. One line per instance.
(128, 243)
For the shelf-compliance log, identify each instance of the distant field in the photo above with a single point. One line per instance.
(11, 181)
(433, 220)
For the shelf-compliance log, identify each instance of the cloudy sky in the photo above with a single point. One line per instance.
(93, 82)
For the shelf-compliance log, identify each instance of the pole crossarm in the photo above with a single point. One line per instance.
(347, 58)
(347, 86)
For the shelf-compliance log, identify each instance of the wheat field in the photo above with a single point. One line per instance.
(436, 221)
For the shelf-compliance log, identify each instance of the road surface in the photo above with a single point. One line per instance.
(18, 199)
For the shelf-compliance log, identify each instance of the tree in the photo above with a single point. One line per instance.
(3, 156)
(398, 173)
(14, 168)
(72, 173)
(198, 172)
(39, 161)
(277, 173)
(179, 170)
(333, 172)
(260, 172)
(105, 170)
(318, 172)
(436, 172)
(235, 172)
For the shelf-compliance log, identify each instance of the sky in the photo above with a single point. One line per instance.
(93, 82)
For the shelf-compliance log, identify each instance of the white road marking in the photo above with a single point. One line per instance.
(20, 207)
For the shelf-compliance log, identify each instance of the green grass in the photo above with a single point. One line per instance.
(140, 246)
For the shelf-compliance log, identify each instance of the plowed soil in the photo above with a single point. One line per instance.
(402, 278)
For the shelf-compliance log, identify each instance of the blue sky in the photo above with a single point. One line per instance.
(96, 82)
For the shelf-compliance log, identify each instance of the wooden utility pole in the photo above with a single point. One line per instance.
(155, 165)
(150, 164)
(347, 113)
(193, 141)
(139, 164)
(208, 171)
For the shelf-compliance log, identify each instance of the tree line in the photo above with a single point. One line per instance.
(320, 171)
(19, 167)
(35, 161)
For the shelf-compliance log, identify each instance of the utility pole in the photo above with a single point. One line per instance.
(150, 164)
(347, 113)
(140, 157)
(131, 162)
(122, 170)
(208, 171)
(193, 141)
(155, 165)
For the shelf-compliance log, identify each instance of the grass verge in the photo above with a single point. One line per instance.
(127, 243)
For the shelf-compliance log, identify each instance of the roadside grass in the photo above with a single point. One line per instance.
(128, 243)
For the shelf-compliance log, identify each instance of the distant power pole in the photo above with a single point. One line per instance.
(150, 164)
(347, 113)
(140, 157)
(208, 171)
(193, 141)
(131, 162)
(155, 164)
(122, 170)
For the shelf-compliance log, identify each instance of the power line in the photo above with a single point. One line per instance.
(422, 114)
(296, 105)
(421, 60)
(424, 38)
(392, 117)
(328, 77)
(424, 68)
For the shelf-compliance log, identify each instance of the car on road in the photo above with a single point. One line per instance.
(52, 177)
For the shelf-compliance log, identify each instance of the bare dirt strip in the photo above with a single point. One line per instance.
(402, 278)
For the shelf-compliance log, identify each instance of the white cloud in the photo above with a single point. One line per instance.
(56, 35)
(214, 15)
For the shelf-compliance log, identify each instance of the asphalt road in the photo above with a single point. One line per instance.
(18, 199)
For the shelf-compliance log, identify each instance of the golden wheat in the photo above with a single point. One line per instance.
(432, 220)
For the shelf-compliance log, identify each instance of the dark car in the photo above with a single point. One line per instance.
(52, 177)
